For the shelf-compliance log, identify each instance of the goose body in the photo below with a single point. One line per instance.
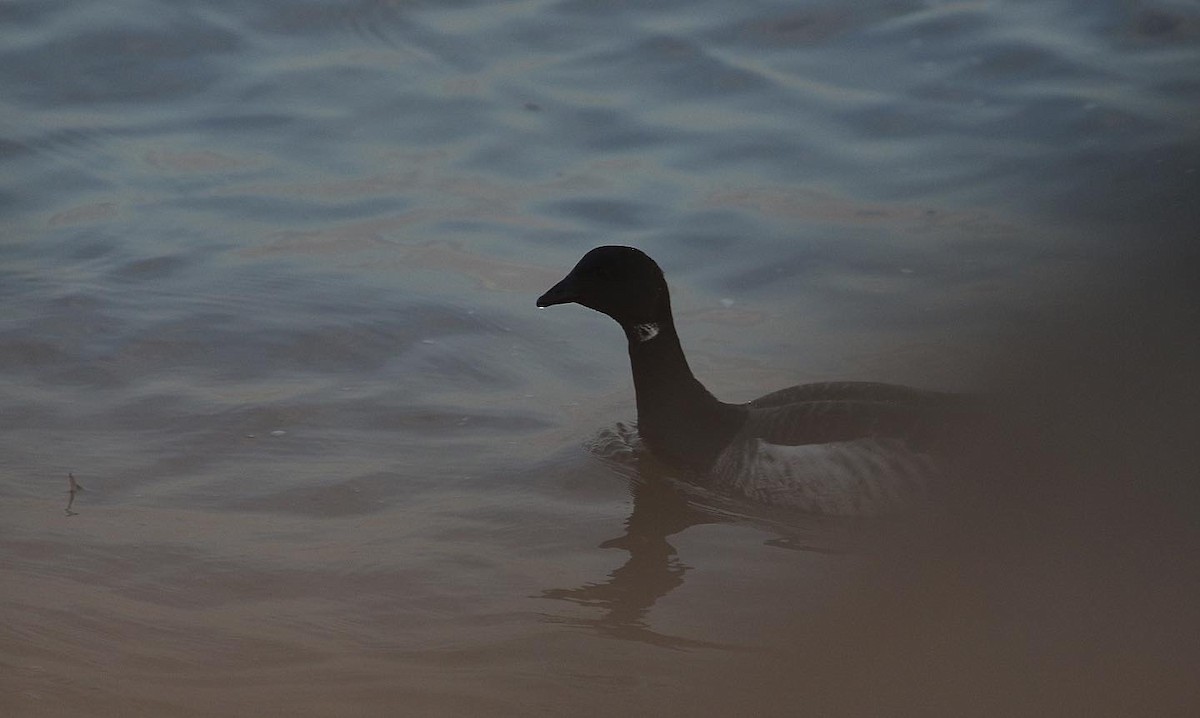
(837, 448)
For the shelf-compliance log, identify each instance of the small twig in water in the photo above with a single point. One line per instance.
(73, 488)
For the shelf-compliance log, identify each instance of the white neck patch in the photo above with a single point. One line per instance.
(645, 332)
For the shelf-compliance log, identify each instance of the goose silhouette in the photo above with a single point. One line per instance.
(835, 448)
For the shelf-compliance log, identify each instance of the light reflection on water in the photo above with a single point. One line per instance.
(268, 276)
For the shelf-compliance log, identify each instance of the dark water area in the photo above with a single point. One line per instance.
(268, 274)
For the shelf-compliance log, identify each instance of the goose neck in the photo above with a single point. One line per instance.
(677, 416)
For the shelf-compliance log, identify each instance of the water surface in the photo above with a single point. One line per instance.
(268, 274)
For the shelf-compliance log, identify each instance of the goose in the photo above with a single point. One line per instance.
(849, 448)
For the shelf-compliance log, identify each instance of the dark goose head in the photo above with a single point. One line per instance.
(621, 282)
(677, 418)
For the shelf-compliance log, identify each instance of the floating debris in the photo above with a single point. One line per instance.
(73, 488)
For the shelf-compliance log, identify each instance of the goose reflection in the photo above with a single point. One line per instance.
(653, 569)
(662, 507)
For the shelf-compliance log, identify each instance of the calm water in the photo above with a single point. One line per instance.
(268, 275)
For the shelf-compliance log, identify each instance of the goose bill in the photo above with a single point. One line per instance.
(561, 293)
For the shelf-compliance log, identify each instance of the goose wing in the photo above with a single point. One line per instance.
(831, 420)
(844, 457)
(842, 448)
(852, 391)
